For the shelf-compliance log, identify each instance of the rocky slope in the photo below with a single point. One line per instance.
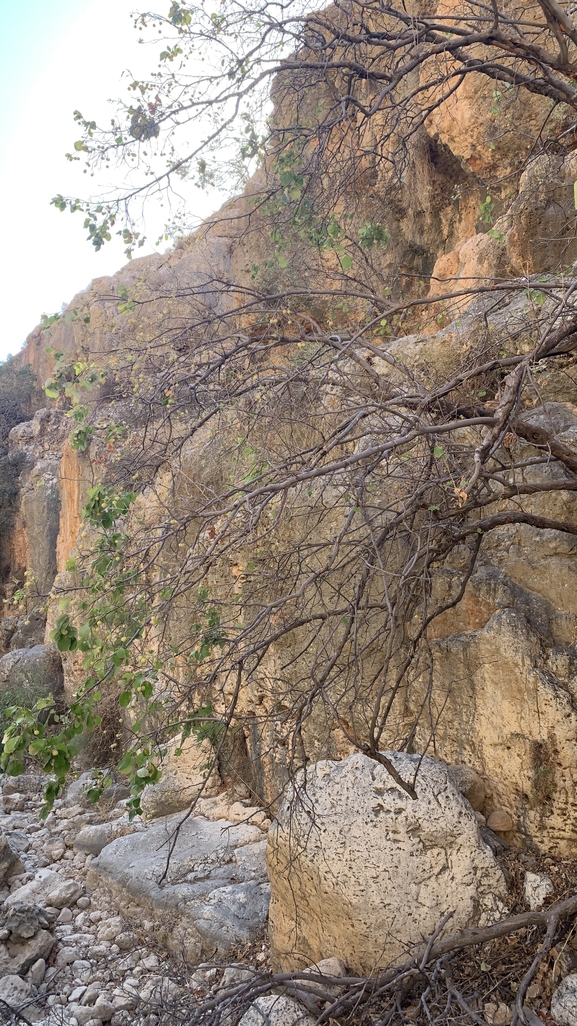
(72, 954)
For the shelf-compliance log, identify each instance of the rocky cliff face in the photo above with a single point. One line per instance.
(498, 690)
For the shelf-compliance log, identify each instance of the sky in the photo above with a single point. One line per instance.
(57, 56)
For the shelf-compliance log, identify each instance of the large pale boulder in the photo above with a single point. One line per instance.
(564, 1002)
(361, 870)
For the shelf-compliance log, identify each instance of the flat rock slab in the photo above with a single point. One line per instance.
(214, 894)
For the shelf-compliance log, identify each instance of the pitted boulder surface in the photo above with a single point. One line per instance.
(375, 869)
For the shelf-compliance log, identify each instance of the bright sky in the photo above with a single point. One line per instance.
(57, 56)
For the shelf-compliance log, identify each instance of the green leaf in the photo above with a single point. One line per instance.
(125, 699)
(438, 451)
(346, 262)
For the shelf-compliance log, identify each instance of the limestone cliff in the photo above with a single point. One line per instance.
(495, 685)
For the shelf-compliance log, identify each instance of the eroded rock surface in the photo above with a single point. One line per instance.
(359, 868)
(213, 893)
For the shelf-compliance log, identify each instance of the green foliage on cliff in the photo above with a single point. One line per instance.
(103, 620)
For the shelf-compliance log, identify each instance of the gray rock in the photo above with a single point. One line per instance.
(29, 631)
(92, 839)
(111, 796)
(81, 966)
(80, 938)
(538, 887)
(92, 993)
(66, 956)
(27, 783)
(22, 921)
(36, 972)
(276, 1010)
(469, 783)
(48, 888)
(19, 840)
(21, 631)
(85, 1014)
(103, 1009)
(233, 914)
(9, 861)
(76, 790)
(216, 888)
(123, 1002)
(126, 941)
(159, 990)
(15, 991)
(36, 670)
(17, 958)
(54, 849)
(236, 974)
(564, 1002)
(109, 930)
(99, 951)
